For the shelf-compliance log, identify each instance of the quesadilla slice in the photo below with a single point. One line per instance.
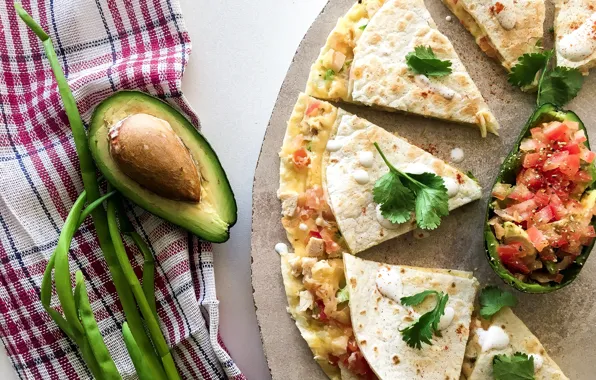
(504, 29)
(381, 318)
(505, 334)
(364, 61)
(328, 78)
(381, 76)
(575, 34)
(352, 165)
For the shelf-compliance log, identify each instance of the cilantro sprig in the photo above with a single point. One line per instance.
(516, 367)
(424, 61)
(557, 85)
(493, 299)
(421, 331)
(400, 194)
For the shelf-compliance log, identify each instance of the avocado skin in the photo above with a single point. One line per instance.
(507, 173)
(210, 223)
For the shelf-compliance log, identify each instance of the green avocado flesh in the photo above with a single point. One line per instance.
(507, 174)
(209, 219)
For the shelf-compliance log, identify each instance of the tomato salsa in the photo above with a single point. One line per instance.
(542, 218)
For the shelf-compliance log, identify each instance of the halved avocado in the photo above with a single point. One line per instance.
(211, 217)
(507, 175)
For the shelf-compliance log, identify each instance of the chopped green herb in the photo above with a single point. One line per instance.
(471, 175)
(424, 61)
(421, 331)
(362, 27)
(401, 194)
(516, 367)
(329, 74)
(343, 294)
(539, 42)
(309, 146)
(346, 64)
(493, 299)
(551, 30)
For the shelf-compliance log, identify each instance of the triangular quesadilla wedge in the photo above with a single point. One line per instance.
(364, 61)
(505, 334)
(328, 78)
(504, 29)
(379, 318)
(380, 76)
(575, 35)
(351, 198)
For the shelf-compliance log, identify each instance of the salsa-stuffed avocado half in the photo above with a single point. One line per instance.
(156, 158)
(540, 220)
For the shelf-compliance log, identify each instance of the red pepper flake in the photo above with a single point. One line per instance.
(460, 180)
(499, 7)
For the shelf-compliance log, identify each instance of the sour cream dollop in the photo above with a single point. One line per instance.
(361, 176)
(281, 248)
(580, 43)
(389, 284)
(333, 145)
(418, 168)
(457, 155)
(452, 186)
(366, 158)
(385, 222)
(493, 338)
(446, 318)
(504, 11)
(423, 82)
(538, 362)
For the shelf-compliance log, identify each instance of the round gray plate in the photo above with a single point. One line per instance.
(564, 321)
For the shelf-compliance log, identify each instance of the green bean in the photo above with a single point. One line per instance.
(89, 209)
(148, 262)
(135, 354)
(90, 183)
(152, 323)
(102, 355)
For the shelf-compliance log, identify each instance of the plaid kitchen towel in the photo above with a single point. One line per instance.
(103, 46)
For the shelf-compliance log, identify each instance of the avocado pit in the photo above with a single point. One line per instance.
(149, 151)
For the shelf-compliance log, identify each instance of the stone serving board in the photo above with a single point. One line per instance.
(565, 321)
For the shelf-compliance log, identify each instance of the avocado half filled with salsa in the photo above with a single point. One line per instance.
(156, 158)
(540, 220)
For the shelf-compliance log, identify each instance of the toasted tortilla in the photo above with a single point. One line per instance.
(478, 365)
(340, 46)
(504, 29)
(378, 319)
(574, 33)
(352, 203)
(380, 76)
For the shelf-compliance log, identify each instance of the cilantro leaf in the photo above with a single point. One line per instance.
(343, 294)
(362, 27)
(397, 201)
(329, 74)
(421, 331)
(493, 299)
(424, 61)
(431, 200)
(527, 67)
(416, 299)
(560, 85)
(471, 175)
(401, 193)
(516, 367)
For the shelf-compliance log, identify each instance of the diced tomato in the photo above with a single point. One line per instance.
(582, 176)
(537, 238)
(555, 160)
(314, 105)
(538, 134)
(321, 306)
(541, 198)
(588, 156)
(531, 178)
(543, 216)
(532, 160)
(570, 166)
(529, 144)
(510, 257)
(501, 190)
(589, 232)
(556, 131)
(572, 125)
(521, 193)
(330, 245)
(580, 136)
(315, 234)
(572, 148)
(301, 158)
(358, 365)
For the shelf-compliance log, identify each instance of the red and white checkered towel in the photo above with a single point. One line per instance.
(103, 46)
